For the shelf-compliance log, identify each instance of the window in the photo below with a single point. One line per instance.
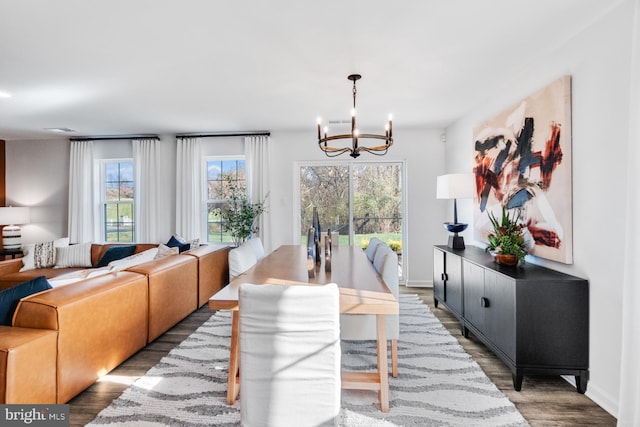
(219, 170)
(118, 198)
(359, 200)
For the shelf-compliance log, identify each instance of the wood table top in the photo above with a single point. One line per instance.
(362, 291)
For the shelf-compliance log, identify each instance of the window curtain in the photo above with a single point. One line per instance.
(189, 196)
(629, 407)
(82, 222)
(145, 165)
(256, 150)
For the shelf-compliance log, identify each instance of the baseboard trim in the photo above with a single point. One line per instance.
(597, 396)
(419, 284)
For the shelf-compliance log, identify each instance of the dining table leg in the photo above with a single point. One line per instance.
(383, 369)
(233, 382)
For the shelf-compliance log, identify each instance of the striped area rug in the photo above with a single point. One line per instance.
(439, 384)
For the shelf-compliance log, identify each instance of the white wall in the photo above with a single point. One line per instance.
(598, 59)
(37, 175)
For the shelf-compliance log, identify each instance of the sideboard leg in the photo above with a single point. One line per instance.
(517, 380)
(581, 382)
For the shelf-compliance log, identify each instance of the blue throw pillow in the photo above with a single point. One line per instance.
(115, 253)
(182, 246)
(9, 298)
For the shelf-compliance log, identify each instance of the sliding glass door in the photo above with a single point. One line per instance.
(359, 200)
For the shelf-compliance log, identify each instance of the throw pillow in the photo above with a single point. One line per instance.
(10, 297)
(133, 260)
(74, 256)
(115, 253)
(41, 255)
(165, 251)
(175, 242)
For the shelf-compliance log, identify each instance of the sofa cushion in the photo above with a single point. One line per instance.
(41, 255)
(115, 253)
(9, 298)
(74, 256)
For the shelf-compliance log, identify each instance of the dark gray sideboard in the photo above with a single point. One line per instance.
(536, 320)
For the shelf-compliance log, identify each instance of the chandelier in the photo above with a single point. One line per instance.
(355, 136)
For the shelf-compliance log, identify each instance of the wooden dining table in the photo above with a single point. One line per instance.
(362, 291)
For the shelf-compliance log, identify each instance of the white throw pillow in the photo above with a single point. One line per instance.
(165, 251)
(41, 255)
(74, 256)
(135, 259)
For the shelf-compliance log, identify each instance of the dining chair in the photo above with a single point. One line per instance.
(289, 355)
(371, 247)
(255, 243)
(241, 259)
(357, 327)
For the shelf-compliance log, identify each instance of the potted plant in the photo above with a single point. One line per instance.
(239, 214)
(507, 241)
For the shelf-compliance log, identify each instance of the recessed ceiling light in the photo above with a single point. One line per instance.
(5, 94)
(60, 130)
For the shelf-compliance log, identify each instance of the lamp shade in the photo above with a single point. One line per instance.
(456, 186)
(14, 215)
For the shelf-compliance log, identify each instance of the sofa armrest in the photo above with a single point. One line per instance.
(27, 365)
(10, 266)
(213, 270)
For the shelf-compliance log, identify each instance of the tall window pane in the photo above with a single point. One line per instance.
(218, 171)
(118, 201)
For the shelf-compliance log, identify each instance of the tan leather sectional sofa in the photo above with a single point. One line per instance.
(63, 339)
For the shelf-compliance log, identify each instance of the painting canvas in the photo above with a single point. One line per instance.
(522, 161)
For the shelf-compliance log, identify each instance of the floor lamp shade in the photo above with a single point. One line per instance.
(11, 218)
(455, 186)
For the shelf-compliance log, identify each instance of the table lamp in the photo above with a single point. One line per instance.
(455, 186)
(11, 217)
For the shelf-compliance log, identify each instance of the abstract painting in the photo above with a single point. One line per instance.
(522, 161)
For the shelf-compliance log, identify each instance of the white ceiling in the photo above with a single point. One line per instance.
(118, 67)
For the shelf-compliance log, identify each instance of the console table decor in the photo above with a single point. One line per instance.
(536, 320)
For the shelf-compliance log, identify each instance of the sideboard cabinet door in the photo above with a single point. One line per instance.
(500, 293)
(447, 281)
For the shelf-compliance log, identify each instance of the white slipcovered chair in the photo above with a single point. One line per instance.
(372, 247)
(289, 355)
(257, 247)
(359, 327)
(241, 259)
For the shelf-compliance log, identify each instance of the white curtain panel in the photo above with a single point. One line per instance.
(189, 196)
(629, 408)
(82, 221)
(256, 151)
(146, 159)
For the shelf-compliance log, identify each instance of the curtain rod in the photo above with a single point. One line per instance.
(112, 138)
(220, 134)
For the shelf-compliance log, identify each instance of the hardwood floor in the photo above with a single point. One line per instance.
(543, 401)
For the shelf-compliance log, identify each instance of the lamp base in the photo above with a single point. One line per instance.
(11, 237)
(456, 242)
